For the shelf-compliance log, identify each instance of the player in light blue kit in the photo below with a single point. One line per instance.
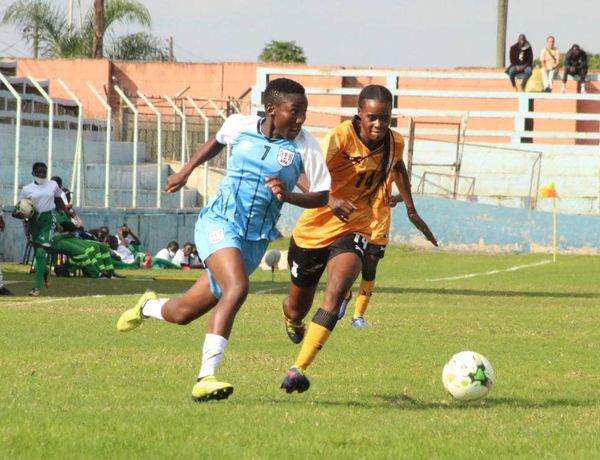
(268, 155)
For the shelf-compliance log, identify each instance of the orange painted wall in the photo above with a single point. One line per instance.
(231, 80)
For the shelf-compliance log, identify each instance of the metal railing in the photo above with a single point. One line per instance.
(407, 108)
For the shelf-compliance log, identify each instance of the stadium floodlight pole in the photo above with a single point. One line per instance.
(17, 96)
(206, 134)
(158, 146)
(77, 163)
(107, 145)
(48, 99)
(183, 138)
(136, 114)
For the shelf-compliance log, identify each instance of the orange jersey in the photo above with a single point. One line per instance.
(356, 176)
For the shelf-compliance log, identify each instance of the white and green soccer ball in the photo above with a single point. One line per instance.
(468, 376)
(24, 209)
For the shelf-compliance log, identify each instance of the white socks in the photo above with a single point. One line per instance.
(212, 354)
(153, 308)
(1, 279)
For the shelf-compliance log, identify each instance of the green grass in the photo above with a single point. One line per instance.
(72, 387)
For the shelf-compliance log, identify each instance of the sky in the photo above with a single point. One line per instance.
(407, 34)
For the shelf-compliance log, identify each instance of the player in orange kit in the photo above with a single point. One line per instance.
(361, 155)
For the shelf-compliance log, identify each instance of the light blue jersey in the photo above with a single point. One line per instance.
(243, 199)
(244, 212)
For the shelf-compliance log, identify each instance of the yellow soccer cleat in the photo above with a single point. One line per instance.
(132, 318)
(209, 388)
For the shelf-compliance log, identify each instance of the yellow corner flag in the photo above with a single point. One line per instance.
(549, 191)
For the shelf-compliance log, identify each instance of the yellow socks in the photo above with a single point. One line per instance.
(318, 332)
(365, 291)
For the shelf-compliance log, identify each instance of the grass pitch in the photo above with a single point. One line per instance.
(73, 387)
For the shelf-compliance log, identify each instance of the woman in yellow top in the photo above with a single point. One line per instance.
(361, 155)
(549, 63)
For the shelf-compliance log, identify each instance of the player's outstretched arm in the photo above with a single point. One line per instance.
(205, 153)
(403, 184)
(304, 199)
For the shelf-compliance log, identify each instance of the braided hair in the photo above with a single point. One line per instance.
(382, 94)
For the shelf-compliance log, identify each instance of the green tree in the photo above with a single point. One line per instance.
(594, 61)
(276, 51)
(46, 27)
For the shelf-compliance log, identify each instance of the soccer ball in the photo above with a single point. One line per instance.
(468, 376)
(24, 209)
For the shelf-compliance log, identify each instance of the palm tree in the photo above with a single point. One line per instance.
(52, 36)
(28, 16)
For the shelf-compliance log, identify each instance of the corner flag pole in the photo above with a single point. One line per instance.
(554, 229)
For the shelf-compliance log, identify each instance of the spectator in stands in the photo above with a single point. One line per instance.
(42, 193)
(549, 63)
(59, 181)
(576, 65)
(182, 256)
(75, 219)
(3, 290)
(164, 257)
(195, 261)
(125, 234)
(521, 59)
(126, 256)
(101, 234)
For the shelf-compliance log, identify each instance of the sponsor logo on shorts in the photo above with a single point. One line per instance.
(216, 236)
(285, 157)
(294, 269)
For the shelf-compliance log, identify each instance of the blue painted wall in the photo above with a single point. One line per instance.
(457, 225)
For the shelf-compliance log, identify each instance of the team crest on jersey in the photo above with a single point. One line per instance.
(285, 157)
(216, 236)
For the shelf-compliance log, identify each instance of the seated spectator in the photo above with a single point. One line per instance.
(124, 257)
(100, 234)
(125, 234)
(69, 212)
(549, 63)
(164, 257)
(576, 65)
(195, 261)
(521, 59)
(182, 256)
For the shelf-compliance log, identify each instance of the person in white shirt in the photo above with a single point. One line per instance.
(182, 256)
(164, 257)
(46, 196)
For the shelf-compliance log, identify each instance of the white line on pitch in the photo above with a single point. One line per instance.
(268, 291)
(55, 299)
(493, 272)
